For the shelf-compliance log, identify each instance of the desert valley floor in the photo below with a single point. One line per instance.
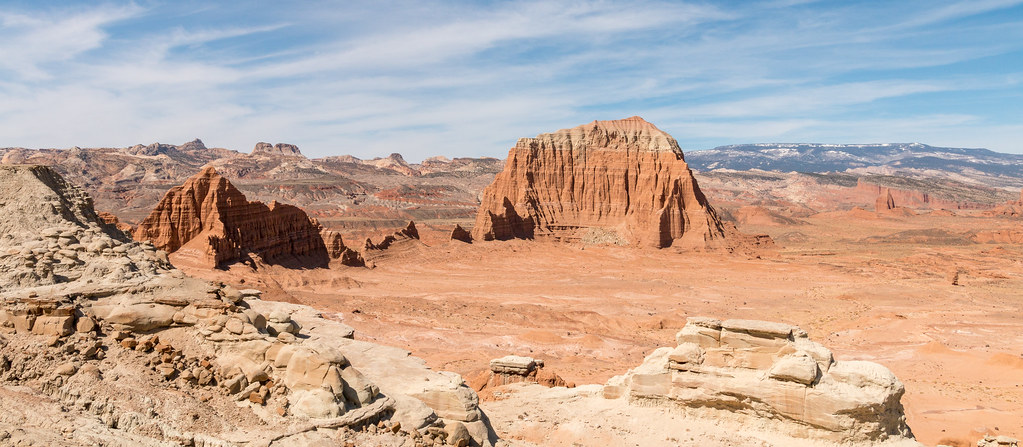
(595, 311)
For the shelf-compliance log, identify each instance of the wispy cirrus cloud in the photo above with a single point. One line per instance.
(468, 78)
(31, 40)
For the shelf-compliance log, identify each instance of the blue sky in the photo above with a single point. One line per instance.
(462, 78)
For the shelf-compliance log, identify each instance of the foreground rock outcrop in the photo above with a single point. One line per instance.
(620, 182)
(108, 344)
(768, 374)
(208, 222)
(998, 441)
(51, 234)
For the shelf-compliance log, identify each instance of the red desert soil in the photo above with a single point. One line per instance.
(875, 289)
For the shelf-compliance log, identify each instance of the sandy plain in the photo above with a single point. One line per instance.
(868, 287)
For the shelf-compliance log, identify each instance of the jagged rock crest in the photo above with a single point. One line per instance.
(207, 221)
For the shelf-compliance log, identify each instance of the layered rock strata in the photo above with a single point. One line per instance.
(624, 181)
(208, 222)
(761, 371)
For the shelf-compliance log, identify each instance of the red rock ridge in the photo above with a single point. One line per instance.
(406, 234)
(208, 222)
(623, 181)
(911, 198)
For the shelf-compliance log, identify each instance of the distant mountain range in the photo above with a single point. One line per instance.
(880, 158)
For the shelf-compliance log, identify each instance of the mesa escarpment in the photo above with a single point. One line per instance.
(208, 222)
(276, 150)
(103, 342)
(623, 181)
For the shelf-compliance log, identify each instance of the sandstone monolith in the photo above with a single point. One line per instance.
(622, 182)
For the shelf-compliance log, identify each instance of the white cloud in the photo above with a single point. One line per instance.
(456, 37)
(28, 42)
(469, 79)
(815, 99)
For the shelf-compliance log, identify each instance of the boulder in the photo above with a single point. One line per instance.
(59, 326)
(136, 316)
(798, 368)
(357, 388)
(458, 403)
(314, 403)
(514, 369)
(457, 434)
(86, 324)
(513, 364)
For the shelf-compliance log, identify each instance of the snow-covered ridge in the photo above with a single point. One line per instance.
(823, 157)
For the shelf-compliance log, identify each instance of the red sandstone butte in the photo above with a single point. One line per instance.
(622, 182)
(208, 222)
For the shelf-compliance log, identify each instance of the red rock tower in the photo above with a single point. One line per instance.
(622, 181)
(885, 201)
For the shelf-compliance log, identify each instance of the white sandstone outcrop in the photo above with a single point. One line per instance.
(768, 371)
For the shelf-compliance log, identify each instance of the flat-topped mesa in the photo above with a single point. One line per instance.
(622, 181)
(276, 150)
(769, 373)
(208, 222)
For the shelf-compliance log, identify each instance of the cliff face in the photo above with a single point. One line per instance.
(207, 221)
(622, 181)
(910, 198)
(885, 201)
